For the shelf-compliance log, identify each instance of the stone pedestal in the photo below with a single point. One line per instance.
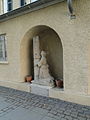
(44, 82)
(40, 90)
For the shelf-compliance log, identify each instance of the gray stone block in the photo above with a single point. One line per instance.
(40, 90)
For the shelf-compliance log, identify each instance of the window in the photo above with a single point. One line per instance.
(22, 2)
(2, 48)
(9, 5)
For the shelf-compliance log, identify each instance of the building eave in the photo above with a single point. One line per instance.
(28, 8)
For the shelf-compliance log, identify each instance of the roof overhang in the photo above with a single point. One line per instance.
(28, 8)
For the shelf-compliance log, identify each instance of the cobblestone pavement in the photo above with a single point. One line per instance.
(17, 105)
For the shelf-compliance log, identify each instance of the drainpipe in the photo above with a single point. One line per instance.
(71, 10)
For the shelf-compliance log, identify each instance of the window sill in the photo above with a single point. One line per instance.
(3, 62)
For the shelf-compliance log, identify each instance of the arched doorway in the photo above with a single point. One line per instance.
(50, 42)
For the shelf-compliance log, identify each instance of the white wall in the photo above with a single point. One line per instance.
(5, 6)
(1, 6)
(16, 5)
(33, 0)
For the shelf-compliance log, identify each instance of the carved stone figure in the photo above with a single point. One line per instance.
(41, 68)
(44, 76)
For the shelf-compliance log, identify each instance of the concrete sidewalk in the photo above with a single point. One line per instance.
(17, 105)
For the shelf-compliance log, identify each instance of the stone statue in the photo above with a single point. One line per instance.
(44, 76)
(41, 68)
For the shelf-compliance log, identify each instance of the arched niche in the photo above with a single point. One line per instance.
(49, 42)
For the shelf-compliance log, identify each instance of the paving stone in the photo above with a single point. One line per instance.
(40, 111)
(68, 117)
(28, 106)
(61, 115)
(53, 112)
(87, 113)
(74, 114)
(48, 118)
(81, 118)
(81, 115)
(63, 119)
(67, 113)
(87, 116)
(59, 111)
(80, 111)
(75, 119)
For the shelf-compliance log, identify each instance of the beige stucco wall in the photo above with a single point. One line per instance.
(74, 35)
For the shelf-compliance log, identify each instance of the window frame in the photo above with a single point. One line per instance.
(4, 49)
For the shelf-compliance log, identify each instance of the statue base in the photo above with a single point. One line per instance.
(40, 89)
(44, 82)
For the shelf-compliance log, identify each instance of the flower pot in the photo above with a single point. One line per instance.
(59, 83)
(28, 79)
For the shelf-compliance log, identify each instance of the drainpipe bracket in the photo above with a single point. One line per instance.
(71, 10)
(72, 16)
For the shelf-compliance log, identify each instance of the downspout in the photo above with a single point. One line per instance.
(71, 10)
